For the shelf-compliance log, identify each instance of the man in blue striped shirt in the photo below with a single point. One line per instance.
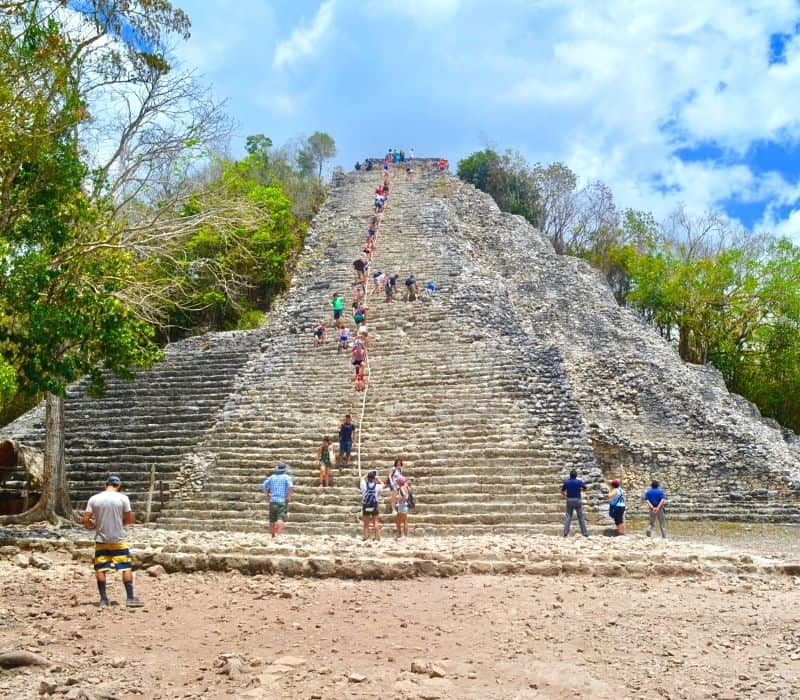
(278, 487)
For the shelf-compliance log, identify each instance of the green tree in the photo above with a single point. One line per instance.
(506, 178)
(61, 273)
(318, 149)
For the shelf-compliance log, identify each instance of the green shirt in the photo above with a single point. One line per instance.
(338, 304)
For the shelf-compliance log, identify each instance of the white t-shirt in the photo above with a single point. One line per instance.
(108, 508)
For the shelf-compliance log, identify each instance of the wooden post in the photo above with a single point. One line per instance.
(150, 493)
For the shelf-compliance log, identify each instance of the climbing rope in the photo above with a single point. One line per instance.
(368, 373)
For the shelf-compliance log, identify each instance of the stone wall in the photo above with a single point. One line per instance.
(649, 414)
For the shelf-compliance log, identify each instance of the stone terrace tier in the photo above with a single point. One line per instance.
(520, 367)
(482, 417)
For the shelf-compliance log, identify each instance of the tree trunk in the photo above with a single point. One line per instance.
(54, 453)
(683, 343)
(54, 501)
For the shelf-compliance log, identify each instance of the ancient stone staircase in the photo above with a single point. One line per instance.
(519, 368)
(485, 428)
(153, 421)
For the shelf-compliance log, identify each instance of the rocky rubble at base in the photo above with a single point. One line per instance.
(162, 552)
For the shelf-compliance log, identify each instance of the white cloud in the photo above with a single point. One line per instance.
(282, 104)
(608, 77)
(424, 12)
(788, 227)
(305, 40)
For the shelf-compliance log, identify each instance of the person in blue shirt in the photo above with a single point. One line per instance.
(656, 499)
(277, 488)
(347, 431)
(572, 489)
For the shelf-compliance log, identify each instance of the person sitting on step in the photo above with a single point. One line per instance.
(430, 288)
(320, 334)
(360, 381)
(344, 338)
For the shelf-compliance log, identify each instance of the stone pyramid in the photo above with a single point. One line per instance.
(520, 367)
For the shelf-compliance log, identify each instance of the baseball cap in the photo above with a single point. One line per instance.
(114, 480)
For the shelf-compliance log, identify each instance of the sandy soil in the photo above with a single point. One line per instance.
(225, 635)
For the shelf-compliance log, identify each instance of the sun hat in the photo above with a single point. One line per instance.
(281, 468)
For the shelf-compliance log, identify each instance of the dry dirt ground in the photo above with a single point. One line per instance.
(227, 635)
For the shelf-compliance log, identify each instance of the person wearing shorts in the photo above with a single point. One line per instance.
(370, 505)
(278, 488)
(320, 334)
(347, 432)
(344, 338)
(401, 514)
(337, 304)
(395, 473)
(359, 354)
(107, 513)
(325, 463)
(616, 505)
(360, 382)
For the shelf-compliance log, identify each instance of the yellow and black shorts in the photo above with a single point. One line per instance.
(112, 555)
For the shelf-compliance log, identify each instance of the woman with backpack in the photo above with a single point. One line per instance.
(616, 506)
(370, 505)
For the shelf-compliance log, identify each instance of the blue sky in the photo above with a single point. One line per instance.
(694, 103)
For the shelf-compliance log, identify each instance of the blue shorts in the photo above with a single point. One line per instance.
(345, 447)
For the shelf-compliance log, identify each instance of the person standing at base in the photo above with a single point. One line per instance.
(277, 488)
(656, 499)
(401, 503)
(572, 489)
(370, 505)
(107, 513)
(616, 505)
(325, 463)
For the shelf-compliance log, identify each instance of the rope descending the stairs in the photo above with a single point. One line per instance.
(368, 373)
